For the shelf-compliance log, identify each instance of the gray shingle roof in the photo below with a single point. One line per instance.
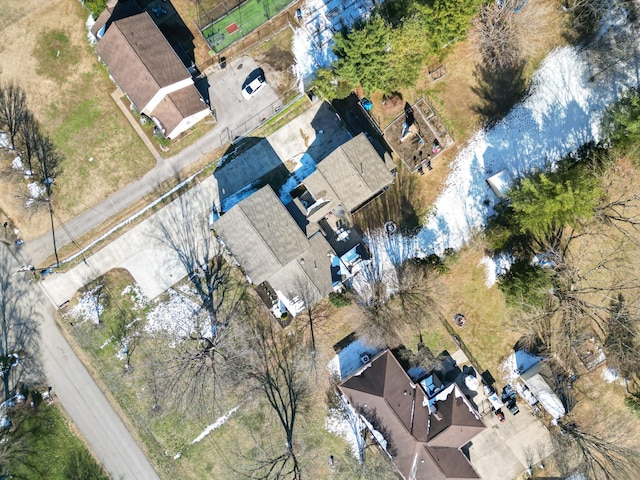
(354, 171)
(261, 234)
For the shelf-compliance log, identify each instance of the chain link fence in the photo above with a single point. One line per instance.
(244, 129)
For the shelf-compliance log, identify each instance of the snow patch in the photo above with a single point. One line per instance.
(610, 374)
(217, 424)
(88, 307)
(313, 41)
(495, 267)
(175, 317)
(348, 360)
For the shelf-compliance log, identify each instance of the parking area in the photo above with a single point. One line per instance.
(225, 94)
(505, 449)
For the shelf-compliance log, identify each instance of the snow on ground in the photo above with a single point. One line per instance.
(348, 360)
(88, 307)
(494, 267)
(4, 140)
(217, 424)
(313, 41)
(175, 317)
(137, 297)
(562, 112)
(348, 429)
(35, 191)
(516, 363)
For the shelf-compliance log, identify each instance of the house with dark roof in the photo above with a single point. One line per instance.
(424, 434)
(294, 251)
(148, 70)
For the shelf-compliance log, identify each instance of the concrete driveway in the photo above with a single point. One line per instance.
(152, 251)
(233, 111)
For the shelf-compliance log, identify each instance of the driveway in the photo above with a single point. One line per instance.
(234, 112)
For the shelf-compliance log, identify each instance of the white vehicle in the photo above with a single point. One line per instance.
(253, 84)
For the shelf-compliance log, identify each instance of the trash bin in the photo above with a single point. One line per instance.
(223, 62)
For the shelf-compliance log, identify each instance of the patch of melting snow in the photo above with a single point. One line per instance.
(312, 42)
(610, 374)
(88, 307)
(35, 191)
(175, 317)
(562, 113)
(494, 267)
(138, 298)
(217, 424)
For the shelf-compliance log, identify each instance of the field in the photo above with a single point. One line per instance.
(240, 21)
(45, 51)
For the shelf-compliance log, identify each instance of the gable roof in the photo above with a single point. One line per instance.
(139, 58)
(261, 234)
(352, 174)
(178, 105)
(424, 444)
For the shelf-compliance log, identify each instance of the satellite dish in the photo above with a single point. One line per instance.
(339, 211)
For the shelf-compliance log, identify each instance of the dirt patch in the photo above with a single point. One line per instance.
(276, 59)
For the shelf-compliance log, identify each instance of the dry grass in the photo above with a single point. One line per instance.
(70, 94)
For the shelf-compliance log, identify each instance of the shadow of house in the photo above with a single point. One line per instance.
(427, 432)
(147, 69)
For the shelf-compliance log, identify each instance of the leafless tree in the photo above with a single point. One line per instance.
(207, 358)
(126, 334)
(315, 311)
(602, 449)
(279, 368)
(496, 35)
(13, 106)
(621, 343)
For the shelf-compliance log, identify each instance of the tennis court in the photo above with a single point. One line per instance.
(240, 21)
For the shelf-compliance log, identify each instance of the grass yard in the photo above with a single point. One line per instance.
(247, 17)
(45, 51)
(54, 450)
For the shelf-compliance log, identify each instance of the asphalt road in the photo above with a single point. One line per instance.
(76, 390)
(232, 110)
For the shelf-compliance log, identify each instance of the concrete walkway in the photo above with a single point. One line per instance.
(76, 391)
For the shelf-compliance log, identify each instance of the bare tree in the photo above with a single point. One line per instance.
(315, 311)
(13, 106)
(603, 449)
(621, 344)
(126, 334)
(209, 355)
(279, 369)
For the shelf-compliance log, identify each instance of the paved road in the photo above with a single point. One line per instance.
(75, 389)
(225, 93)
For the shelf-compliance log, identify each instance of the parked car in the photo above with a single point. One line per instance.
(253, 84)
(509, 398)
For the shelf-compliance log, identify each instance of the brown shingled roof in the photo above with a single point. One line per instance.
(424, 445)
(139, 58)
(178, 105)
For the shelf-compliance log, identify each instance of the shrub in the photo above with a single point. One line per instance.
(633, 403)
(339, 299)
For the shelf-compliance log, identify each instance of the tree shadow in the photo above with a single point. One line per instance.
(498, 90)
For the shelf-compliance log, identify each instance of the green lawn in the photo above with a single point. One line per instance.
(248, 16)
(52, 450)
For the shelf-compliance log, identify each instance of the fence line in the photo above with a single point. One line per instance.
(267, 30)
(238, 133)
